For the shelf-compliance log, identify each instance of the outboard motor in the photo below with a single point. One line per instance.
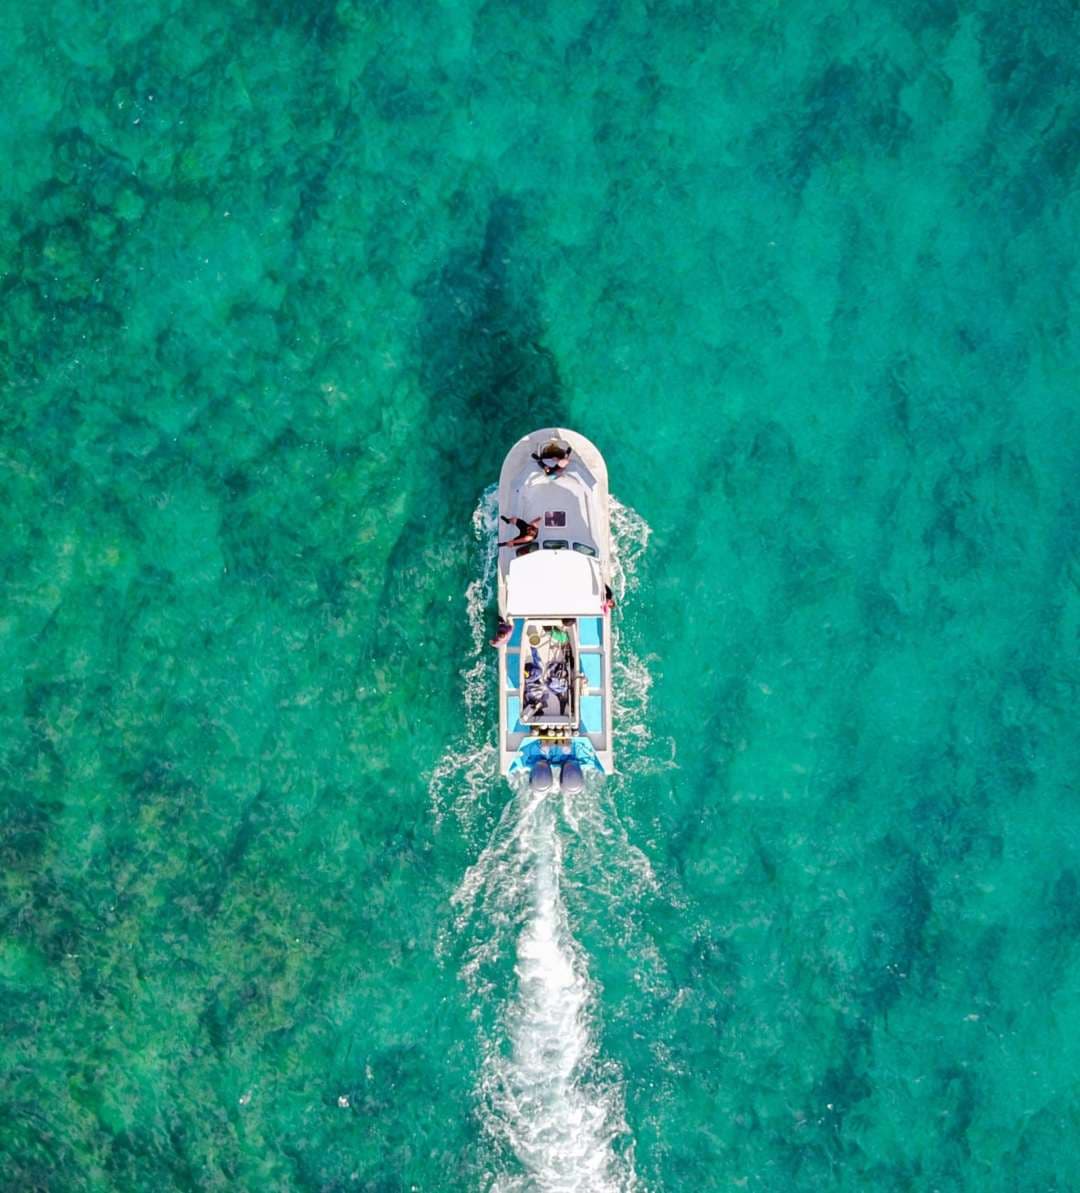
(572, 781)
(540, 777)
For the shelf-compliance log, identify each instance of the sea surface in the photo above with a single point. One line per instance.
(280, 283)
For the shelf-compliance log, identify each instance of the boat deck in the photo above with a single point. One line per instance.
(594, 718)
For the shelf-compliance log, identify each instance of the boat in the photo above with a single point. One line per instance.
(555, 600)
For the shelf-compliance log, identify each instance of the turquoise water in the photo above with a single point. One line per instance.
(281, 283)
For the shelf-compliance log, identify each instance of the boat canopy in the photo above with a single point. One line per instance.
(553, 583)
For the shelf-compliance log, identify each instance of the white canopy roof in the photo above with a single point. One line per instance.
(557, 583)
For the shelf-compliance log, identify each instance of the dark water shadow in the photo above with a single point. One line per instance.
(486, 373)
(488, 380)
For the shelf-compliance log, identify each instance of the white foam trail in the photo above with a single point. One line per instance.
(600, 837)
(467, 766)
(478, 595)
(544, 1096)
(462, 775)
(631, 681)
(631, 678)
(630, 675)
(630, 535)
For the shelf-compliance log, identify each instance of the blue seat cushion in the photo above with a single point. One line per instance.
(592, 668)
(592, 714)
(591, 631)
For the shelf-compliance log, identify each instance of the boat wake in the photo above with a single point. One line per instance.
(551, 1107)
(630, 535)
(545, 1096)
(465, 770)
(631, 677)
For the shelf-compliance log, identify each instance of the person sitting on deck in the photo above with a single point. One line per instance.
(527, 531)
(553, 457)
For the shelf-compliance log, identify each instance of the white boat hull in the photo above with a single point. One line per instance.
(557, 585)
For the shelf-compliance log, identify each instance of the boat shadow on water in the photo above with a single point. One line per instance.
(484, 369)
